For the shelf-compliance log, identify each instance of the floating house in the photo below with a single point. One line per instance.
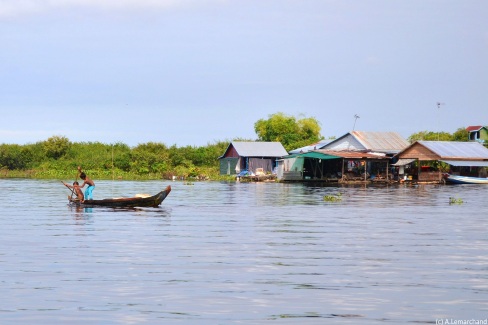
(478, 133)
(355, 157)
(251, 156)
(462, 158)
(311, 165)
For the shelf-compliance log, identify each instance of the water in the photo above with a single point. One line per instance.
(232, 253)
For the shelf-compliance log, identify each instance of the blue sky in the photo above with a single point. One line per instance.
(191, 72)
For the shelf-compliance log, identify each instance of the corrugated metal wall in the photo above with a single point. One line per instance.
(228, 166)
(347, 143)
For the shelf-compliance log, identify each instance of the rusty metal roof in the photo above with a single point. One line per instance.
(390, 142)
(352, 154)
(385, 142)
(457, 150)
(474, 128)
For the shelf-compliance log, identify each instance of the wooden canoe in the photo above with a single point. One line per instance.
(126, 202)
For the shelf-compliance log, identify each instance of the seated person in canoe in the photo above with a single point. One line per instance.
(77, 191)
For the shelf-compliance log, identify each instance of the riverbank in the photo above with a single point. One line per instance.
(108, 175)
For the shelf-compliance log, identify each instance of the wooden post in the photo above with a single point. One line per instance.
(365, 169)
(419, 170)
(387, 169)
(342, 168)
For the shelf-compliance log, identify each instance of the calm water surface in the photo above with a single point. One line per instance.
(232, 253)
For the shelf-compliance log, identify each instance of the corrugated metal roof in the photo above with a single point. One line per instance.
(391, 142)
(466, 163)
(313, 146)
(259, 149)
(453, 150)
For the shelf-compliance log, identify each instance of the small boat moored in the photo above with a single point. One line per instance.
(125, 202)
(456, 179)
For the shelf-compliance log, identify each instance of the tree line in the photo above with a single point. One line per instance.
(461, 134)
(58, 157)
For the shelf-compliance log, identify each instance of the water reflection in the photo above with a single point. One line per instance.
(221, 253)
(80, 210)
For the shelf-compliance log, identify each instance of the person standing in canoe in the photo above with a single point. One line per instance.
(87, 181)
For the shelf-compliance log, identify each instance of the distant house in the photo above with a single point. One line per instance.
(242, 155)
(478, 133)
(357, 156)
(464, 158)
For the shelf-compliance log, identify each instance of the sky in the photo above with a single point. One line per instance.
(193, 72)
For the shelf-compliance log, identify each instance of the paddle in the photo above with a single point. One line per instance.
(76, 179)
(72, 189)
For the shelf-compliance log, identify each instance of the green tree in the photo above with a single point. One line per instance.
(56, 146)
(460, 134)
(430, 136)
(290, 131)
(37, 154)
(121, 156)
(91, 155)
(150, 157)
(14, 156)
(180, 157)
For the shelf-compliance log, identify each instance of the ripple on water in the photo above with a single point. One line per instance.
(243, 253)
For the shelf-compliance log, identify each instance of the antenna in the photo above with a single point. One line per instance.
(439, 107)
(355, 119)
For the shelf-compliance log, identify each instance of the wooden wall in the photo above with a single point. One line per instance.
(418, 151)
(231, 153)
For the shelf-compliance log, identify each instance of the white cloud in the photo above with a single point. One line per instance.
(15, 8)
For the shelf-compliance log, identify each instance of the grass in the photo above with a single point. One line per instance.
(333, 198)
(101, 175)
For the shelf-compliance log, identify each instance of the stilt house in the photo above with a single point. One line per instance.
(356, 156)
(243, 155)
(462, 158)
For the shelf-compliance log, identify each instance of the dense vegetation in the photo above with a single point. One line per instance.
(460, 134)
(58, 157)
(291, 132)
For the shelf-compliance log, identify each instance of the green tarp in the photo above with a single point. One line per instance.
(312, 154)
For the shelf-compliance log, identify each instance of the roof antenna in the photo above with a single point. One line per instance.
(355, 119)
(439, 107)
